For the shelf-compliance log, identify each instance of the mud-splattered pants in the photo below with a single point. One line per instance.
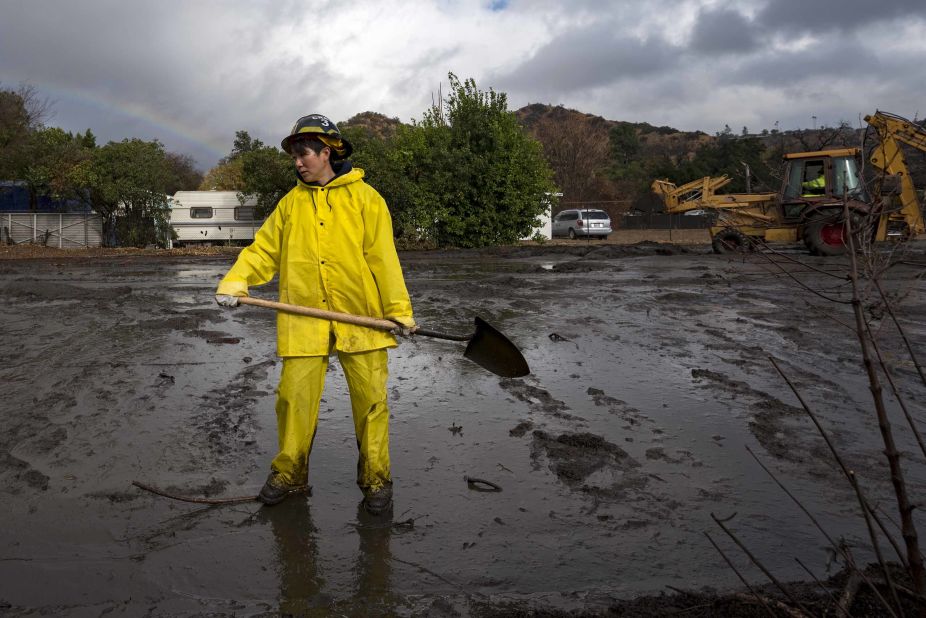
(298, 397)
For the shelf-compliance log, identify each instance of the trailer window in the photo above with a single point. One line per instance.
(244, 213)
(201, 212)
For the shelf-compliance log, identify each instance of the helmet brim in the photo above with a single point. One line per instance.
(348, 148)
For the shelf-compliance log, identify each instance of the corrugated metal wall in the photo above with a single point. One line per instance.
(62, 230)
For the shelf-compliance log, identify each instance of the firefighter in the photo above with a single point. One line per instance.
(330, 239)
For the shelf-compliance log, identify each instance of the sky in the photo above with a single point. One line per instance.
(191, 73)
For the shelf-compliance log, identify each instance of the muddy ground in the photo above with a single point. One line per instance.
(650, 378)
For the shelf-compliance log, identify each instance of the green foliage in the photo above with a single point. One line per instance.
(125, 182)
(226, 176)
(467, 175)
(486, 157)
(267, 173)
(184, 175)
(244, 143)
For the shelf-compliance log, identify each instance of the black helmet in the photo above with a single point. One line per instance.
(320, 127)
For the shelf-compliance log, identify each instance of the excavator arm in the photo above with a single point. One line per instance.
(702, 193)
(888, 156)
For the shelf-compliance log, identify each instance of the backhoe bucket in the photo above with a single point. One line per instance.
(491, 350)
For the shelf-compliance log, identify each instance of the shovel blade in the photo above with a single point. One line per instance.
(491, 350)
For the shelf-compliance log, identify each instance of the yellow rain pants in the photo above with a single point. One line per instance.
(298, 398)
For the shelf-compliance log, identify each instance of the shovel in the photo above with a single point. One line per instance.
(487, 347)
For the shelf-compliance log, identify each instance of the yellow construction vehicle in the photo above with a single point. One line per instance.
(817, 190)
(903, 216)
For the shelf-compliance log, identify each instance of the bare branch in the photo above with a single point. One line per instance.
(759, 564)
(758, 597)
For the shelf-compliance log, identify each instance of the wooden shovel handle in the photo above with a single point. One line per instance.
(359, 320)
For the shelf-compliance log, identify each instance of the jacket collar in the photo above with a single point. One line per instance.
(344, 173)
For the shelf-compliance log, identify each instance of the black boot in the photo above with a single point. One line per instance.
(377, 500)
(275, 490)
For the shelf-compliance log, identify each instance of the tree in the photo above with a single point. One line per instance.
(225, 176)
(244, 143)
(577, 148)
(228, 174)
(267, 173)
(126, 183)
(22, 113)
(184, 175)
(51, 156)
(483, 177)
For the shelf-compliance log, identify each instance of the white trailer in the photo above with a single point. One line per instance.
(213, 218)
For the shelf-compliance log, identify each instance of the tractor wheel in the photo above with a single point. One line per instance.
(731, 240)
(825, 234)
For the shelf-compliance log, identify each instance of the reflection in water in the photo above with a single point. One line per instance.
(373, 565)
(300, 583)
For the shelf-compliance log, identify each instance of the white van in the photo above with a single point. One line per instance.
(213, 218)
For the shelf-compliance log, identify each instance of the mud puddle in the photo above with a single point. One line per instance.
(611, 455)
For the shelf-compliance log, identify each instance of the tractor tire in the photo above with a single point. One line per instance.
(824, 234)
(572, 234)
(731, 240)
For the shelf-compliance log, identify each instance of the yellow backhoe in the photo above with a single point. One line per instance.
(817, 190)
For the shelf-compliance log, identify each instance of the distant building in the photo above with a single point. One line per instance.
(544, 228)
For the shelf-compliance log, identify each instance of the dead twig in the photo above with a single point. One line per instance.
(900, 400)
(890, 310)
(824, 588)
(787, 609)
(867, 513)
(740, 575)
(905, 509)
(212, 501)
(837, 547)
(758, 563)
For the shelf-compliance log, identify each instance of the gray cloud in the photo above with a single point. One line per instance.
(832, 59)
(789, 16)
(724, 31)
(588, 58)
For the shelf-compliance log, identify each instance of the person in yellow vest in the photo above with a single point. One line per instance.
(816, 186)
(330, 239)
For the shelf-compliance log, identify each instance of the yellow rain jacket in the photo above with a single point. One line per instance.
(334, 250)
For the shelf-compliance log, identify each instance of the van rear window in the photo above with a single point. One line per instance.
(595, 215)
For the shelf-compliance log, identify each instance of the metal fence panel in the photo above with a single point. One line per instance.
(61, 230)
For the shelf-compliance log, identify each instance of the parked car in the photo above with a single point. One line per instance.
(585, 222)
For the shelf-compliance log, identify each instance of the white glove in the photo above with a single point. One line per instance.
(405, 327)
(226, 300)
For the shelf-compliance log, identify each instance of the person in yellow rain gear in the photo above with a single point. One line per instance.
(330, 239)
(816, 186)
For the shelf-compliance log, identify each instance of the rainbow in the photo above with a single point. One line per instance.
(96, 99)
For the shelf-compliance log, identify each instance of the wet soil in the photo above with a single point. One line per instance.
(650, 378)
